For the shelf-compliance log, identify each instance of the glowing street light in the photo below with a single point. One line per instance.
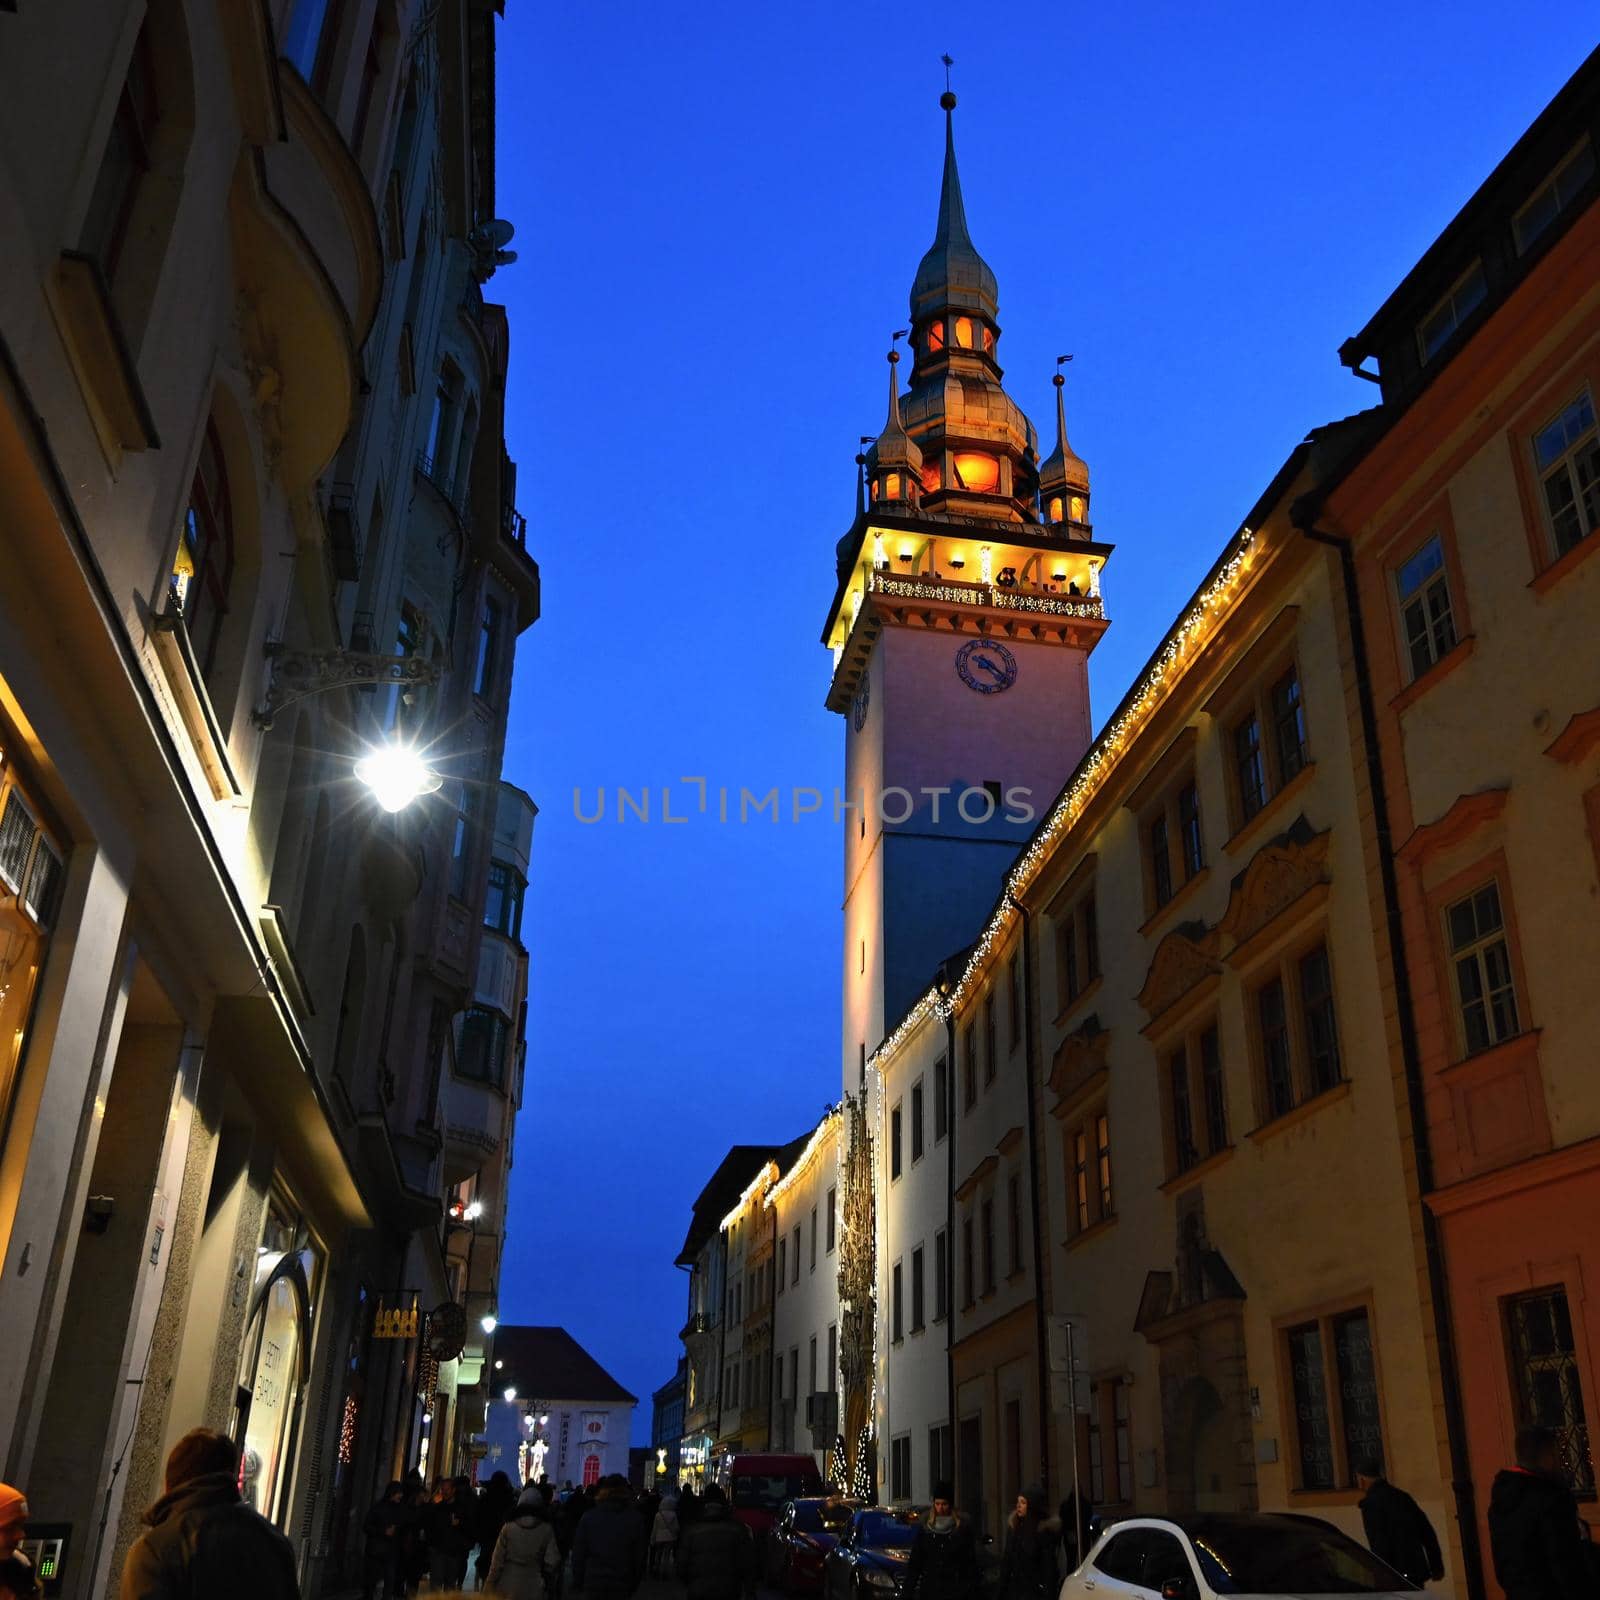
(396, 775)
(489, 1323)
(474, 1211)
(511, 1393)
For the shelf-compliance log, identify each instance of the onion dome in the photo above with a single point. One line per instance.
(952, 273)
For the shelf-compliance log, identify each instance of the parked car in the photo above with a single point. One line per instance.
(758, 1485)
(804, 1533)
(870, 1558)
(1207, 1554)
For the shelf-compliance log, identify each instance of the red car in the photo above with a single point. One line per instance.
(758, 1486)
(806, 1530)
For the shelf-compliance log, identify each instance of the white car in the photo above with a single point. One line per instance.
(1207, 1554)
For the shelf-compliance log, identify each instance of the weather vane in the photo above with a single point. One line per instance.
(948, 63)
(1061, 361)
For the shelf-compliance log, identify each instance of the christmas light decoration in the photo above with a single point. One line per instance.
(829, 1125)
(347, 1431)
(839, 1467)
(767, 1175)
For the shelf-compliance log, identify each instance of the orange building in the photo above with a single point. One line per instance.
(1471, 523)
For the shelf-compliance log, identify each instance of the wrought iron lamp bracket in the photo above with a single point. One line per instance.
(295, 675)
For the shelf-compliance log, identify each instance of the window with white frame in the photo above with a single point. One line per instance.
(1567, 452)
(1480, 959)
(1427, 619)
(1466, 294)
(1555, 195)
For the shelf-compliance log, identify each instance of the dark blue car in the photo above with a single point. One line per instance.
(869, 1562)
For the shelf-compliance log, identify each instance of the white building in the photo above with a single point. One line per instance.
(557, 1413)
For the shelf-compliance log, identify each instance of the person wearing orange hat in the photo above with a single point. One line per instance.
(18, 1581)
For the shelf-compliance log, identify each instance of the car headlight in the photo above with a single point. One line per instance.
(878, 1578)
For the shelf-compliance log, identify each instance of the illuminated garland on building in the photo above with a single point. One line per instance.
(1192, 631)
(766, 1175)
(831, 1123)
(347, 1431)
(863, 1488)
(840, 1465)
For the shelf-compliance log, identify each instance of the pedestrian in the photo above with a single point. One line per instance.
(1533, 1525)
(1028, 1568)
(1397, 1528)
(495, 1507)
(688, 1508)
(1075, 1536)
(717, 1556)
(414, 1533)
(609, 1548)
(203, 1539)
(943, 1564)
(526, 1558)
(664, 1537)
(18, 1580)
(381, 1557)
(449, 1535)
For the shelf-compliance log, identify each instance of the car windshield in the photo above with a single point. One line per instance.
(884, 1531)
(757, 1491)
(1280, 1555)
(808, 1516)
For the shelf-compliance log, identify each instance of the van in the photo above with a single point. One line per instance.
(758, 1485)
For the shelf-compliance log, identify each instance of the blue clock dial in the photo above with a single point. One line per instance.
(986, 666)
(858, 706)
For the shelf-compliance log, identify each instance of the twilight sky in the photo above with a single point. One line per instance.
(719, 209)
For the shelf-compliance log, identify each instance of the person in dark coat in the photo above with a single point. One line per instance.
(1397, 1528)
(611, 1545)
(449, 1530)
(202, 1538)
(381, 1558)
(1534, 1537)
(495, 1507)
(1075, 1537)
(1028, 1568)
(943, 1564)
(716, 1554)
(18, 1580)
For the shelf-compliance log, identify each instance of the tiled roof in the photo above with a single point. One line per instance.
(550, 1364)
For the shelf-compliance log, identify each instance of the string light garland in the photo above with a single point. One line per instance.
(1193, 630)
(830, 1124)
(768, 1174)
(347, 1431)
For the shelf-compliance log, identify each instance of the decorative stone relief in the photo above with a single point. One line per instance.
(1280, 872)
(1186, 957)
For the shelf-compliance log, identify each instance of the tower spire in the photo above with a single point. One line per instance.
(894, 463)
(1064, 476)
(952, 211)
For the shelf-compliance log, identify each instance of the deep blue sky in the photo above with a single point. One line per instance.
(719, 209)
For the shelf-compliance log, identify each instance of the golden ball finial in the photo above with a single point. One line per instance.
(947, 100)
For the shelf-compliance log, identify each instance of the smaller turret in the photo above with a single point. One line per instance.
(894, 463)
(1064, 475)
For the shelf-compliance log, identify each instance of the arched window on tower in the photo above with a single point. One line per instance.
(964, 332)
(988, 340)
(202, 574)
(1055, 508)
(935, 337)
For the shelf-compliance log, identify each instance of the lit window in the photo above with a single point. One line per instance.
(1486, 993)
(935, 337)
(1423, 588)
(892, 486)
(202, 572)
(1555, 195)
(988, 340)
(978, 474)
(1077, 508)
(1568, 453)
(1055, 509)
(1434, 331)
(964, 332)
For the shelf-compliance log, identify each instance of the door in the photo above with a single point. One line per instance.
(970, 1493)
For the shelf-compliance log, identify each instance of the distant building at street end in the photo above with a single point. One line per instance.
(556, 1412)
(666, 1428)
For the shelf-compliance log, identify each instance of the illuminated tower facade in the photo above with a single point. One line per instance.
(967, 602)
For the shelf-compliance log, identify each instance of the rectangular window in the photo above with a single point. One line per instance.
(897, 1303)
(488, 663)
(987, 1213)
(502, 905)
(1288, 726)
(783, 1262)
(1250, 772)
(1332, 1375)
(1547, 1383)
(941, 1276)
(1159, 856)
(1555, 195)
(833, 1357)
(1184, 1154)
(968, 1265)
(1567, 450)
(811, 1366)
(969, 1068)
(1486, 995)
(796, 1262)
(481, 1050)
(1275, 1052)
(1102, 1140)
(124, 163)
(1189, 834)
(1014, 1220)
(918, 1289)
(900, 1467)
(1212, 1091)
(1067, 961)
(941, 1099)
(833, 1220)
(916, 1121)
(989, 1056)
(1322, 1034)
(894, 1142)
(813, 1238)
(1122, 1440)
(1080, 1179)
(1097, 1462)
(1435, 329)
(1014, 1001)
(1089, 926)
(1422, 587)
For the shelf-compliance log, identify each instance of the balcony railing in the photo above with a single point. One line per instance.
(1048, 599)
(438, 474)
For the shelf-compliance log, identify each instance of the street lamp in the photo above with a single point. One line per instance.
(511, 1393)
(396, 775)
(489, 1323)
(473, 1211)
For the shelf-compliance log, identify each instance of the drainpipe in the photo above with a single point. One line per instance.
(1030, 1050)
(1303, 516)
(950, 1227)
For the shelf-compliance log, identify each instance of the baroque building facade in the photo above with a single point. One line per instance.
(263, 1033)
(1222, 1128)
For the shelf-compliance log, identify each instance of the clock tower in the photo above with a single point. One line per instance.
(967, 602)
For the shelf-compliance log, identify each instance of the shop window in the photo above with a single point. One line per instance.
(1466, 295)
(1567, 451)
(1547, 1385)
(1296, 1032)
(1427, 619)
(1330, 1378)
(1088, 1148)
(1555, 196)
(1485, 988)
(202, 573)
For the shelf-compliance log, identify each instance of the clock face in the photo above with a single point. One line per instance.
(986, 666)
(858, 706)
